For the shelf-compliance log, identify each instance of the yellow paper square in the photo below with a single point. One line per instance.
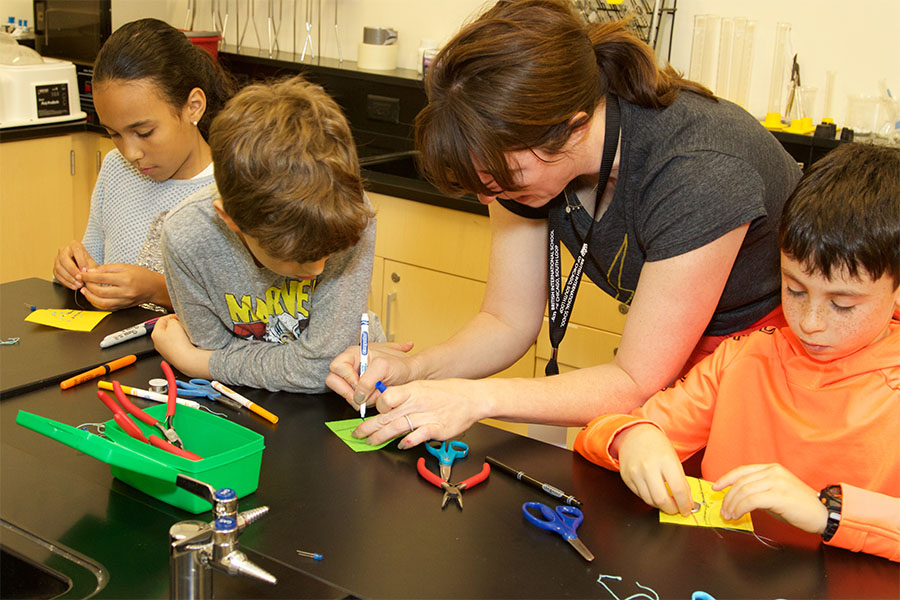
(709, 514)
(64, 318)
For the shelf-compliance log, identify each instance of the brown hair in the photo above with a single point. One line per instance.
(514, 78)
(845, 213)
(152, 49)
(287, 171)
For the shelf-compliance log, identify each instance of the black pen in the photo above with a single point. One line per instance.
(521, 476)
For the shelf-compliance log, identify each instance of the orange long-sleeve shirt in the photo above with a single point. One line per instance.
(761, 399)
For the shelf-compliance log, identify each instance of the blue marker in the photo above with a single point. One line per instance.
(380, 387)
(363, 354)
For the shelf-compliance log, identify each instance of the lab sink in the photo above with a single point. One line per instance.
(397, 174)
(32, 567)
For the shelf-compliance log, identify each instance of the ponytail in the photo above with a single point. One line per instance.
(152, 49)
(629, 66)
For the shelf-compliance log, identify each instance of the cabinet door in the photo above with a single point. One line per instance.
(442, 239)
(36, 206)
(90, 150)
(428, 307)
(582, 347)
(375, 295)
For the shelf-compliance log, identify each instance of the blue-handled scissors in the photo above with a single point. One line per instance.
(446, 453)
(197, 388)
(564, 521)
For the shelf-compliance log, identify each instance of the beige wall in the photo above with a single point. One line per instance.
(858, 40)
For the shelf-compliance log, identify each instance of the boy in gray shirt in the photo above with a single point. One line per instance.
(269, 269)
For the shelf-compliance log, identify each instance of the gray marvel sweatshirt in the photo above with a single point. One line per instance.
(265, 330)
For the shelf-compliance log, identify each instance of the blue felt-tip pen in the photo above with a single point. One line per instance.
(312, 555)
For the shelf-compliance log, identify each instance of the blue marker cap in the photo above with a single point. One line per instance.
(380, 387)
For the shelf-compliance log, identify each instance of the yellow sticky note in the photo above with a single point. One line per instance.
(64, 318)
(709, 514)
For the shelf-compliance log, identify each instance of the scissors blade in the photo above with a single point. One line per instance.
(445, 472)
(582, 549)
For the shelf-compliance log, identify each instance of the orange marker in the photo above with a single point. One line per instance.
(99, 371)
(245, 402)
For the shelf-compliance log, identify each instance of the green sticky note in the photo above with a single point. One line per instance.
(344, 429)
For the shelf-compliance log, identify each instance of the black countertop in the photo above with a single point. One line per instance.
(31, 132)
(380, 526)
(45, 355)
(346, 68)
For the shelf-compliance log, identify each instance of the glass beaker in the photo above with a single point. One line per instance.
(780, 66)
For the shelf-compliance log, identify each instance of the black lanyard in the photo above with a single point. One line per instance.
(560, 308)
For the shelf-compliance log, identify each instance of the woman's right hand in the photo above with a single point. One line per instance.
(389, 362)
(72, 260)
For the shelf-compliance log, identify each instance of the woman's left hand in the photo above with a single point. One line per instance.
(773, 488)
(425, 410)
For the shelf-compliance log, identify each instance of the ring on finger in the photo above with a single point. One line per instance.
(409, 422)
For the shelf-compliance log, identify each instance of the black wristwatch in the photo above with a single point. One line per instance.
(832, 498)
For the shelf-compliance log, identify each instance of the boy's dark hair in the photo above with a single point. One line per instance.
(152, 49)
(287, 171)
(845, 213)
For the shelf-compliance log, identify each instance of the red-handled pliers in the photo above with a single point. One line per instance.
(168, 430)
(452, 490)
(172, 443)
(133, 430)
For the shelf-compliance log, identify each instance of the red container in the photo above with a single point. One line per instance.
(208, 40)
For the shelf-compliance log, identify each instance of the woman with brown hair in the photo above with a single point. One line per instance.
(667, 197)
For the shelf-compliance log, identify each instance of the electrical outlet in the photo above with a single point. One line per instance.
(383, 108)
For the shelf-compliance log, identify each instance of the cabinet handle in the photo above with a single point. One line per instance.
(395, 277)
(99, 163)
(387, 320)
(72, 162)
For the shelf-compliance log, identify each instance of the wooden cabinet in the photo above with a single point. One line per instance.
(45, 191)
(36, 205)
(430, 272)
(90, 150)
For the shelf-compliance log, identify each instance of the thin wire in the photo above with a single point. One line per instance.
(77, 303)
(633, 596)
(211, 411)
(101, 428)
(774, 545)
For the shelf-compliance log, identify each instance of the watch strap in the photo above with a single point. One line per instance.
(832, 497)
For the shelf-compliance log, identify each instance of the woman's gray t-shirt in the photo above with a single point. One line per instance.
(688, 174)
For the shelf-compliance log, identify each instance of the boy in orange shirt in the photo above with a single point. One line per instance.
(784, 413)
